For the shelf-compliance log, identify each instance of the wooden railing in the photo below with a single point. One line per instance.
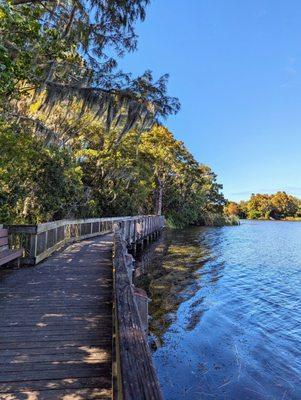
(41, 240)
(134, 376)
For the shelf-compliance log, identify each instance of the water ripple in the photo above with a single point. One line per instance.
(225, 316)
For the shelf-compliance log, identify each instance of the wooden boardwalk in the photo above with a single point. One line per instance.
(56, 325)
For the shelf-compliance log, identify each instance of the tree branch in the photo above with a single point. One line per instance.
(40, 126)
(19, 2)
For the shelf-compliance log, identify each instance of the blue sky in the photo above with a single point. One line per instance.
(235, 65)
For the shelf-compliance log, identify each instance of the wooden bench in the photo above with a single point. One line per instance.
(6, 254)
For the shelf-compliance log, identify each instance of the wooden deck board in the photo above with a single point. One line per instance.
(56, 325)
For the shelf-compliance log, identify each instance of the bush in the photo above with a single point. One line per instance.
(37, 183)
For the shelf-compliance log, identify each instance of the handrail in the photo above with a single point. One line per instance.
(134, 376)
(41, 240)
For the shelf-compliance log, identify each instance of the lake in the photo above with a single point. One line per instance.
(225, 315)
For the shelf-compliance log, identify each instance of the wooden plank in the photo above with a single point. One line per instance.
(9, 255)
(3, 241)
(3, 248)
(68, 323)
(57, 350)
(29, 229)
(58, 317)
(58, 303)
(57, 384)
(56, 325)
(54, 394)
(3, 233)
(51, 336)
(55, 344)
(71, 366)
(71, 372)
(93, 356)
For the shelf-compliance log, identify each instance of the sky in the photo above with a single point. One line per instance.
(236, 68)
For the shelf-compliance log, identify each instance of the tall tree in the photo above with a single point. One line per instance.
(64, 49)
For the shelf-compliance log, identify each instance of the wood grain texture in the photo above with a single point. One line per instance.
(9, 255)
(3, 232)
(3, 241)
(56, 325)
(136, 377)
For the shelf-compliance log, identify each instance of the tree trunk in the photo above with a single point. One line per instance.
(159, 200)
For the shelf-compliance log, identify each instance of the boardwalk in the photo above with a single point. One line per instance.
(56, 325)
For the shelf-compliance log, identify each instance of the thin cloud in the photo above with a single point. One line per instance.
(291, 72)
(293, 190)
(291, 68)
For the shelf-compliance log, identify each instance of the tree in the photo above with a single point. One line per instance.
(57, 52)
(232, 208)
(259, 206)
(274, 206)
(80, 137)
(284, 205)
(37, 184)
(242, 209)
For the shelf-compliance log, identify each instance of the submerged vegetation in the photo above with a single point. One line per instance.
(80, 138)
(276, 206)
(169, 271)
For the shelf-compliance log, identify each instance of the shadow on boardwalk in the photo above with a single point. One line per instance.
(56, 325)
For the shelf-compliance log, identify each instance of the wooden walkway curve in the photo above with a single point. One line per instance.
(56, 325)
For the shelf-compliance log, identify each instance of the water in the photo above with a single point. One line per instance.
(225, 311)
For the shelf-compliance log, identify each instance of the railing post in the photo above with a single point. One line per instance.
(135, 230)
(33, 247)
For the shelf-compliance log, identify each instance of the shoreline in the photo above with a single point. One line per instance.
(289, 219)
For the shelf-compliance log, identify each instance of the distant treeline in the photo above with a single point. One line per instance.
(266, 206)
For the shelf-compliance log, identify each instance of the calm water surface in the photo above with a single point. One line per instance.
(225, 311)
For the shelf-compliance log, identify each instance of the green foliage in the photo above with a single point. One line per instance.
(217, 219)
(41, 183)
(36, 183)
(58, 53)
(264, 206)
(77, 138)
(25, 50)
(128, 180)
(15, 64)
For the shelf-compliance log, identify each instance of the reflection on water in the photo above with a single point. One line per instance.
(225, 311)
(168, 270)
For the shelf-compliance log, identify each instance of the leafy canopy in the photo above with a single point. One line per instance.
(66, 52)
